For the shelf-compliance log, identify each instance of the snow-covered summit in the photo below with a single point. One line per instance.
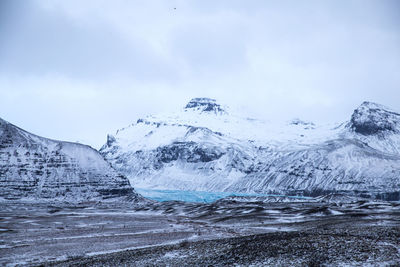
(371, 119)
(37, 168)
(160, 129)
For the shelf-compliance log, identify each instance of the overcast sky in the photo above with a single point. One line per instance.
(77, 70)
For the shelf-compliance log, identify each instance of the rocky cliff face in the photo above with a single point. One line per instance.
(205, 148)
(36, 168)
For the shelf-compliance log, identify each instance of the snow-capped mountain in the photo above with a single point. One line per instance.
(37, 168)
(206, 148)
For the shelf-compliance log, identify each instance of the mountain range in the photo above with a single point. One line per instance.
(205, 147)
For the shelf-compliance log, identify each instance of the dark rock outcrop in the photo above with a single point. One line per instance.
(205, 104)
(189, 152)
(373, 119)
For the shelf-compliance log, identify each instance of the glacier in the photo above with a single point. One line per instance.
(206, 147)
(181, 195)
(204, 196)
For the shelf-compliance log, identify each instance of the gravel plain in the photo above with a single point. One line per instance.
(223, 233)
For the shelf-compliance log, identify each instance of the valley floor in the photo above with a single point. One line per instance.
(222, 233)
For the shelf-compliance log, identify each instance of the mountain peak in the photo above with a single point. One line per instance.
(372, 105)
(372, 118)
(204, 104)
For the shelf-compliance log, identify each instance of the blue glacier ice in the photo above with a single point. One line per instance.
(188, 196)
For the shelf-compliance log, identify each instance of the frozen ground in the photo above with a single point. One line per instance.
(247, 231)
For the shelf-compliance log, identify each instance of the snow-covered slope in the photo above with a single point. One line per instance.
(206, 148)
(36, 168)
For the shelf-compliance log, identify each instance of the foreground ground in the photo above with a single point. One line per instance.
(222, 233)
(344, 245)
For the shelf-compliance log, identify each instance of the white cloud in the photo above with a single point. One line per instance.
(79, 69)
